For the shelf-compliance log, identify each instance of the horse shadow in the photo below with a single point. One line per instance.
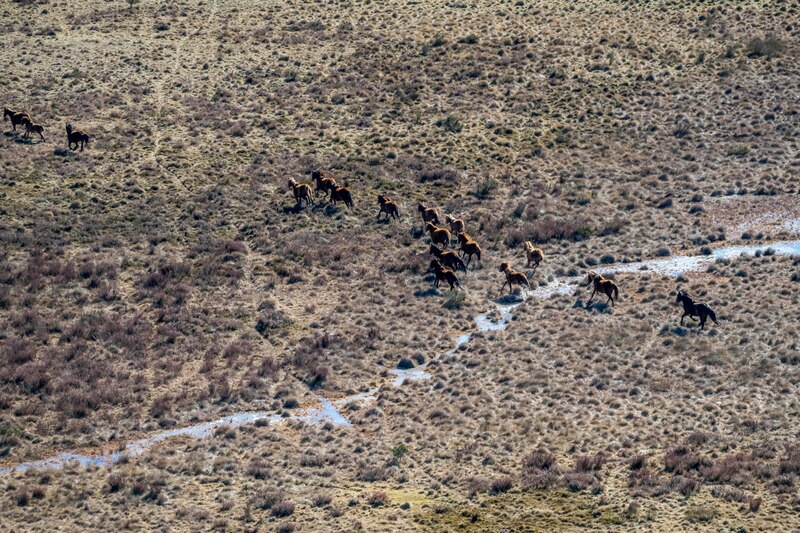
(294, 209)
(595, 307)
(510, 299)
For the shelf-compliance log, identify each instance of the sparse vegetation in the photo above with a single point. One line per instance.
(164, 277)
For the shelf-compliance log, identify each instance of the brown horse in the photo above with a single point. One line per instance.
(30, 127)
(429, 214)
(605, 286)
(469, 247)
(456, 224)
(438, 235)
(513, 277)
(692, 309)
(448, 258)
(301, 191)
(342, 194)
(76, 137)
(16, 117)
(444, 274)
(534, 255)
(324, 183)
(389, 207)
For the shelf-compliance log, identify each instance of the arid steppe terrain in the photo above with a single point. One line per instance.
(165, 277)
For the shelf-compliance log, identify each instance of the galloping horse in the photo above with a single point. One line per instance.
(16, 117)
(692, 309)
(513, 277)
(76, 137)
(605, 286)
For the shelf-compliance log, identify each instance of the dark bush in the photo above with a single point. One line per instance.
(501, 484)
(768, 46)
(378, 499)
(283, 509)
(437, 174)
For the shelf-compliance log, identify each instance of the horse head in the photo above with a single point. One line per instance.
(681, 296)
(504, 267)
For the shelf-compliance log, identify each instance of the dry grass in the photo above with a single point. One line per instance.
(164, 275)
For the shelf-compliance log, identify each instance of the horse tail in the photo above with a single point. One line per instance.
(616, 293)
(713, 315)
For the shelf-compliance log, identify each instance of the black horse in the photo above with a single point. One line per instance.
(692, 309)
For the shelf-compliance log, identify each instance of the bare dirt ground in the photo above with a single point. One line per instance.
(164, 276)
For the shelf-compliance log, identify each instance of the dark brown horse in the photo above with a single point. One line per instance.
(605, 286)
(469, 247)
(438, 235)
(448, 258)
(76, 137)
(324, 183)
(388, 206)
(342, 194)
(693, 309)
(429, 214)
(444, 274)
(16, 117)
(513, 278)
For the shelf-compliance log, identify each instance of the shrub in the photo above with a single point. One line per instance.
(539, 470)
(399, 451)
(257, 469)
(578, 481)
(454, 300)
(115, 482)
(271, 320)
(754, 504)
(267, 499)
(437, 174)
(477, 485)
(701, 513)
(378, 499)
(681, 459)
(739, 150)
(450, 124)
(590, 463)
(22, 497)
(321, 500)
(371, 473)
(485, 188)
(501, 484)
(283, 509)
(768, 46)
(687, 486)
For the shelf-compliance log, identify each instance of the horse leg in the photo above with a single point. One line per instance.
(682, 317)
(590, 297)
